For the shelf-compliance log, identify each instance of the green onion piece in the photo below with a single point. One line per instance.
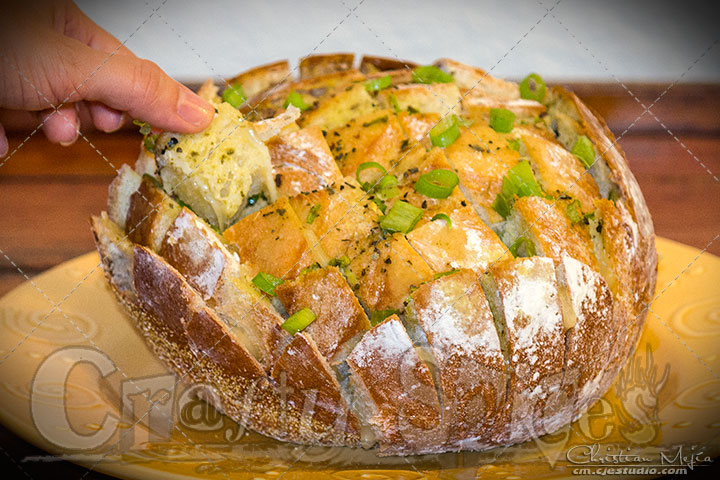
(299, 321)
(430, 74)
(377, 84)
(150, 141)
(438, 183)
(519, 181)
(502, 120)
(380, 204)
(394, 103)
(445, 274)
(514, 144)
(313, 213)
(574, 212)
(442, 216)
(296, 100)
(145, 128)
(380, 315)
(584, 150)
(402, 217)
(365, 166)
(387, 187)
(267, 283)
(520, 242)
(234, 95)
(533, 88)
(445, 132)
(342, 261)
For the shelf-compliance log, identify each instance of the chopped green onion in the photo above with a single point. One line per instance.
(430, 74)
(394, 103)
(438, 183)
(519, 181)
(150, 141)
(502, 120)
(584, 150)
(519, 242)
(402, 217)
(533, 88)
(145, 128)
(380, 204)
(365, 166)
(574, 212)
(387, 187)
(342, 261)
(380, 315)
(296, 100)
(234, 95)
(446, 131)
(313, 213)
(299, 321)
(445, 274)
(514, 144)
(377, 84)
(442, 216)
(267, 283)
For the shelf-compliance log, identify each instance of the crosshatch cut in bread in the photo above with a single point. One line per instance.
(413, 258)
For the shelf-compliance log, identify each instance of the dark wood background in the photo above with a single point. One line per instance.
(48, 192)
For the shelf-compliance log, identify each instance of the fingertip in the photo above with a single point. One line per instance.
(4, 146)
(194, 111)
(62, 126)
(105, 118)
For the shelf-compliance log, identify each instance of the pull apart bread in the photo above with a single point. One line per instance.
(418, 258)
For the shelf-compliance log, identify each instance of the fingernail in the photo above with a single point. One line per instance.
(116, 120)
(75, 134)
(193, 109)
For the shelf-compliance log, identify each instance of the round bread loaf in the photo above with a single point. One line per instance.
(418, 258)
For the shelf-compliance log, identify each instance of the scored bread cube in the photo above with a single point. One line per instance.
(550, 230)
(481, 157)
(268, 103)
(592, 330)
(466, 243)
(387, 271)
(393, 388)
(259, 237)
(438, 98)
(116, 254)
(560, 172)
(175, 312)
(198, 253)
(477, 82)
(302, 162)
(409, 172)
(121, 189)
(456, 320)
(525, 111)
(340, 218)
(324, 64)
(523, 295)
(417, 125)
(373, 137)
(150, 213)
(308, 384)
(340, 107)
(257, 79)
(340, 318)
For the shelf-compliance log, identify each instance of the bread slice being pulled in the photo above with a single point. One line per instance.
(417, 259)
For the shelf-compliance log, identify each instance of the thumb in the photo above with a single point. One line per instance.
(140, 88)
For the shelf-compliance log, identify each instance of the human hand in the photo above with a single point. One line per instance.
(57, 65)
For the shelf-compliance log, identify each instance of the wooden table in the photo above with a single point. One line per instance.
(48, 192)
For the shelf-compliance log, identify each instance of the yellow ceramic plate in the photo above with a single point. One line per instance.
(75, 379)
